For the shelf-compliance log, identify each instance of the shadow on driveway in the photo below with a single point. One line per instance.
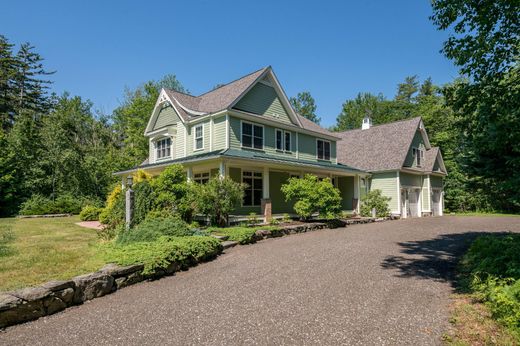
(435, 259)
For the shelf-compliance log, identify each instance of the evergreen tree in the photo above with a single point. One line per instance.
(7, 74)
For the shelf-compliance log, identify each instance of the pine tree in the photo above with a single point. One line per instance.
(305, 105)
(7, 74)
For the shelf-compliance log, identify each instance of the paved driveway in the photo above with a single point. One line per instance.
(386, 283)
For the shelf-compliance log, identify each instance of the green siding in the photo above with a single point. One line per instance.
(410, 179)
(425, 194)
(417, 142)
(436, 181)
(387, 183)
(219, 133)
(346, 188)
(279, 205)
(263, 100)
(167, 116)
(178, 145)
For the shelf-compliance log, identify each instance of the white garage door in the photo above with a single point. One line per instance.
(413, 200)
(436, 202)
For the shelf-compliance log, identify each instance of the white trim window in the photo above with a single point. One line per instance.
(252, 136)
(163, 148)
(201, 178)
(253, 191)
(323, 150)
(198, 138)
(283, 140)
(418, 155)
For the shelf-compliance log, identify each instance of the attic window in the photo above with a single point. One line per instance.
(418, 155)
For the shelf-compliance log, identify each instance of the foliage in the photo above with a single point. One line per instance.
(491, 268)
(217, 198)
(242, 235)
(173, 193)
(305, 105)
(157, 255)
(286, 218)
(90, 213)
(144, 200)
(313, 195)
(484, 44)
(64, 204)
(152, 229)
(114, 211)
(375, 199)
(273, 222)
(252, 219)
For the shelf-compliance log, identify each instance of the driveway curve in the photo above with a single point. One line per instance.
(374, 284)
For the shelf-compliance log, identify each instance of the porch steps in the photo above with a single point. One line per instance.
(228, 244)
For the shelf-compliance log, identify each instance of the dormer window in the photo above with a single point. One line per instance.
(163, 148)
(418, 155)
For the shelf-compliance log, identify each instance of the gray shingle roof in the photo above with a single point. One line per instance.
(219, 98)
(382, 147)
(429, 158)
(312, 126)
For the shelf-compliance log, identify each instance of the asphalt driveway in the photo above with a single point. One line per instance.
(381, 284)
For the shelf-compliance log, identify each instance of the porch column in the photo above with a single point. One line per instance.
(222, 169)
(355, 205)
(266, 205)
(189, 174)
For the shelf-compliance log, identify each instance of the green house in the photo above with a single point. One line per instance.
(248, 131)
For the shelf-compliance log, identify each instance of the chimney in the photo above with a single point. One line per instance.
(367, 122)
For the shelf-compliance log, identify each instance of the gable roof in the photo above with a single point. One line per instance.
(379, 148)
(216, 99)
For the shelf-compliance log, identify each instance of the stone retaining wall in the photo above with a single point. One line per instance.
(31, 303)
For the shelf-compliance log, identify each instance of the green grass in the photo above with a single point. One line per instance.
(41, 249)
(241, 234)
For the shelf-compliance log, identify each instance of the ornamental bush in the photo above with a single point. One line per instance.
(90, 213)
(114, 211)
(218, 198)
(63, 204)
(157, 255)
(375, 199)
(312, 195)
(152, 229)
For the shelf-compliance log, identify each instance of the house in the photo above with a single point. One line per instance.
(401, 163)
(248, 131)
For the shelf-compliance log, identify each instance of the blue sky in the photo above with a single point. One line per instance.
(334, 49)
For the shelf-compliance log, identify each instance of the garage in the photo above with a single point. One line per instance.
(436, 202)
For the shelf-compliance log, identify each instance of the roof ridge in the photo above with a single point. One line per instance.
(371, 127)
(180, 92)
(233, 81)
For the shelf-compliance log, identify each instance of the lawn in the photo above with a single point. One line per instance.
(33, 251)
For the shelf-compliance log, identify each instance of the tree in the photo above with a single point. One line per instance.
(353, 111)
(305, 105)
(313, 195)
(407, 89)
(218, 198)
(485, 47)
(486, 35)
(7, 73)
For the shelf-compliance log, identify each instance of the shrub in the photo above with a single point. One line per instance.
(313, 196)
(63, 204)
(252, 219)
(491, 268)
(375, 199)
(286, 218)
(144, 199)
(90, 213)
(152, 229)
(243, 235)
(114, 211)
(217, 198)
(159, 254)
(173, 193)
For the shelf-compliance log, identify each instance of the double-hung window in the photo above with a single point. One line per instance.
(253, 188)
(252, 136)
(323, 149)
(201, 178)
(283, 140)
(199, 137)
(163, 148)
